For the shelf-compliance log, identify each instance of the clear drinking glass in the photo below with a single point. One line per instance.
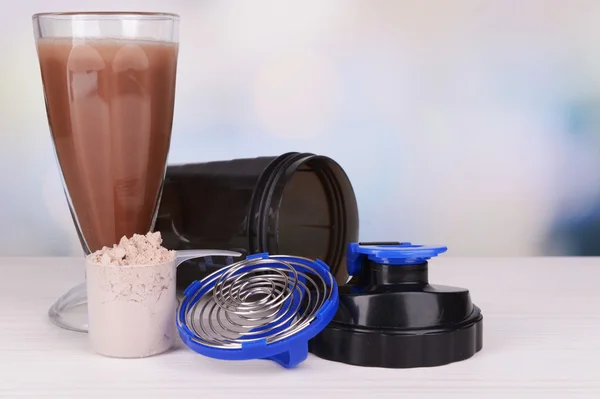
(109, 85)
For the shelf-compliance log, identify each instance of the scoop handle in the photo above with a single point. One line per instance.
(188, 254)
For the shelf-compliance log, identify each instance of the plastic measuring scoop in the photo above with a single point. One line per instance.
(80, 291)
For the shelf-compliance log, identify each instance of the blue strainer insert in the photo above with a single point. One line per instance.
(264, 307)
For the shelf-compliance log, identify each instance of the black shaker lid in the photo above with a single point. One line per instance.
(390, 316)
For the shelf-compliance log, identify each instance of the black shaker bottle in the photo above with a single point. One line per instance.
(298, 204)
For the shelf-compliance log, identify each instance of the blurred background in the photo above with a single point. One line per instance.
(469, 123)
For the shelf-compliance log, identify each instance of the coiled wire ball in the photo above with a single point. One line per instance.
(257, 299)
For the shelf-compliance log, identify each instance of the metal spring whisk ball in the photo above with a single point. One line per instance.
(256, 299)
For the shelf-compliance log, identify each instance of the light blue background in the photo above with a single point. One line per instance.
(467, 123)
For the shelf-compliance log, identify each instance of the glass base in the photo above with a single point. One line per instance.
(70, 310)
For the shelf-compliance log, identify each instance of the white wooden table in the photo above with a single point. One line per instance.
(541, 339)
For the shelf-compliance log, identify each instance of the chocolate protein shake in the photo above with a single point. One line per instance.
(110, 110)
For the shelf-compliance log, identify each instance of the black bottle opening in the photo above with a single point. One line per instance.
(297, 204)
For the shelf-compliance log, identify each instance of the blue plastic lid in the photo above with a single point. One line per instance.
(263, 307)
(398, 254)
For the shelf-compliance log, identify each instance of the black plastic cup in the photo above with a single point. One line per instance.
(298, 204)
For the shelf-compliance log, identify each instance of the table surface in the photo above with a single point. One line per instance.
(541, 339)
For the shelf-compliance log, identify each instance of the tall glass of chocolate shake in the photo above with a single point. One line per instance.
(109, 86)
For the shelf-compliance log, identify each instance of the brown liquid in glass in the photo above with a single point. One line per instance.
(110, 110)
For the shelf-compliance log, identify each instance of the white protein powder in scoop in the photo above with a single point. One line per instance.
(132, 300)
(137, 250)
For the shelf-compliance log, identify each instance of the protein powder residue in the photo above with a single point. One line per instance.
(137, 250)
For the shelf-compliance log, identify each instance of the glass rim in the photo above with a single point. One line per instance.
(100, 15)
